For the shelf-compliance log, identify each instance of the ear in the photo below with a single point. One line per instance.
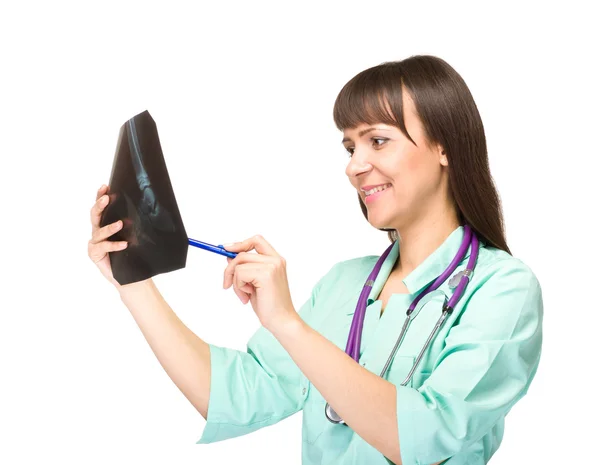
(442, 155)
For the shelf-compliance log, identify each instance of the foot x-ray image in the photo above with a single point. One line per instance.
(141, 195)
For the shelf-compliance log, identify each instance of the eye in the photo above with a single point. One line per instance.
(377, 139)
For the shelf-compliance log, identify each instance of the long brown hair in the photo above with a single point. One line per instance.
(450, 118)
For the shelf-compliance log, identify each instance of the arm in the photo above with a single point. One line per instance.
(183, 355)
(236, 392)
(333, 372)
(259, 387)
(486, 366)
(365, 401)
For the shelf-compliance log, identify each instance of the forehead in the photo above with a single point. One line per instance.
(366, 128)
(407, 111)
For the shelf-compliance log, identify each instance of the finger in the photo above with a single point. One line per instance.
(96, 212)
(242, 285)
(241, 258)
(242, 295)
(241, 288)
(256, 242)
(101, 191)
(104, 233)
(97, 251)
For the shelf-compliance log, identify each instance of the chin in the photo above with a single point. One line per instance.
(385, 222)
(380, 224)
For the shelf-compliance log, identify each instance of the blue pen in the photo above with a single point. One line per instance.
(212, 248)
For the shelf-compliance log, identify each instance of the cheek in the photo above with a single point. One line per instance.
(419, 173)
(409, 175)
(413, 165)
(413, 182)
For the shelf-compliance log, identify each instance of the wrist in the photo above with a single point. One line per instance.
(288, 325)
(132, 290)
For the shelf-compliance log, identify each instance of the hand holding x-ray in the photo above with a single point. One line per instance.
(99, 246)
(138, 232)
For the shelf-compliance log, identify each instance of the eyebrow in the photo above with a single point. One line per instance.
(363, 132)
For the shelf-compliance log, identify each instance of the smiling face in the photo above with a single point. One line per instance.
(415, 174)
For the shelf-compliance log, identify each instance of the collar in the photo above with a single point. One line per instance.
(432, 267)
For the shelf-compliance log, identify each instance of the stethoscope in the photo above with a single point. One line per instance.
(458, 282)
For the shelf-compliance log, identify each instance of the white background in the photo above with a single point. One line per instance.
(242, 94)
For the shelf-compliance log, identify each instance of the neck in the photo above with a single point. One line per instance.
(421, 238)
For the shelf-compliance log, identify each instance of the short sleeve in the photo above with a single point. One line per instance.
(490, 357)
(257, 388)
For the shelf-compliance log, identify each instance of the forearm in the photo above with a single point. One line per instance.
(366, 402)
(183, 355)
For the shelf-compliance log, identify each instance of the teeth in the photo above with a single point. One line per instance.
(377, 189)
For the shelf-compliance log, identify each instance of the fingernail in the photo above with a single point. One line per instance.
(229, 245)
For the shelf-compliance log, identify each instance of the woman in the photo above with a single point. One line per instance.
(418, 160)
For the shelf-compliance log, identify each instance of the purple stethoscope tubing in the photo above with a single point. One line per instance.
(354, 338)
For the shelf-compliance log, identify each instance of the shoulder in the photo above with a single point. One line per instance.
(505, 294)
(345, 274)
(496, 268)
(356, 265)
(357, 268)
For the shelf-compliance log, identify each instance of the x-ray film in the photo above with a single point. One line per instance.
(141, 195)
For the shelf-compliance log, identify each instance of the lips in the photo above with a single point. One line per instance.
(368, 188)
(378, 191)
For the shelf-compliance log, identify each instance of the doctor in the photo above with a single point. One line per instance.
(418, 160)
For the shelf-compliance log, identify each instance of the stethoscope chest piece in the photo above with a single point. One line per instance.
(332, 416)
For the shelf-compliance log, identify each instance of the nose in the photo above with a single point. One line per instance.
(358, 164)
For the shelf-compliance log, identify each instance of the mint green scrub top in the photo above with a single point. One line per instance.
(478, 366)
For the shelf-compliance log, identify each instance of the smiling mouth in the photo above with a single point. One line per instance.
(376, 190)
